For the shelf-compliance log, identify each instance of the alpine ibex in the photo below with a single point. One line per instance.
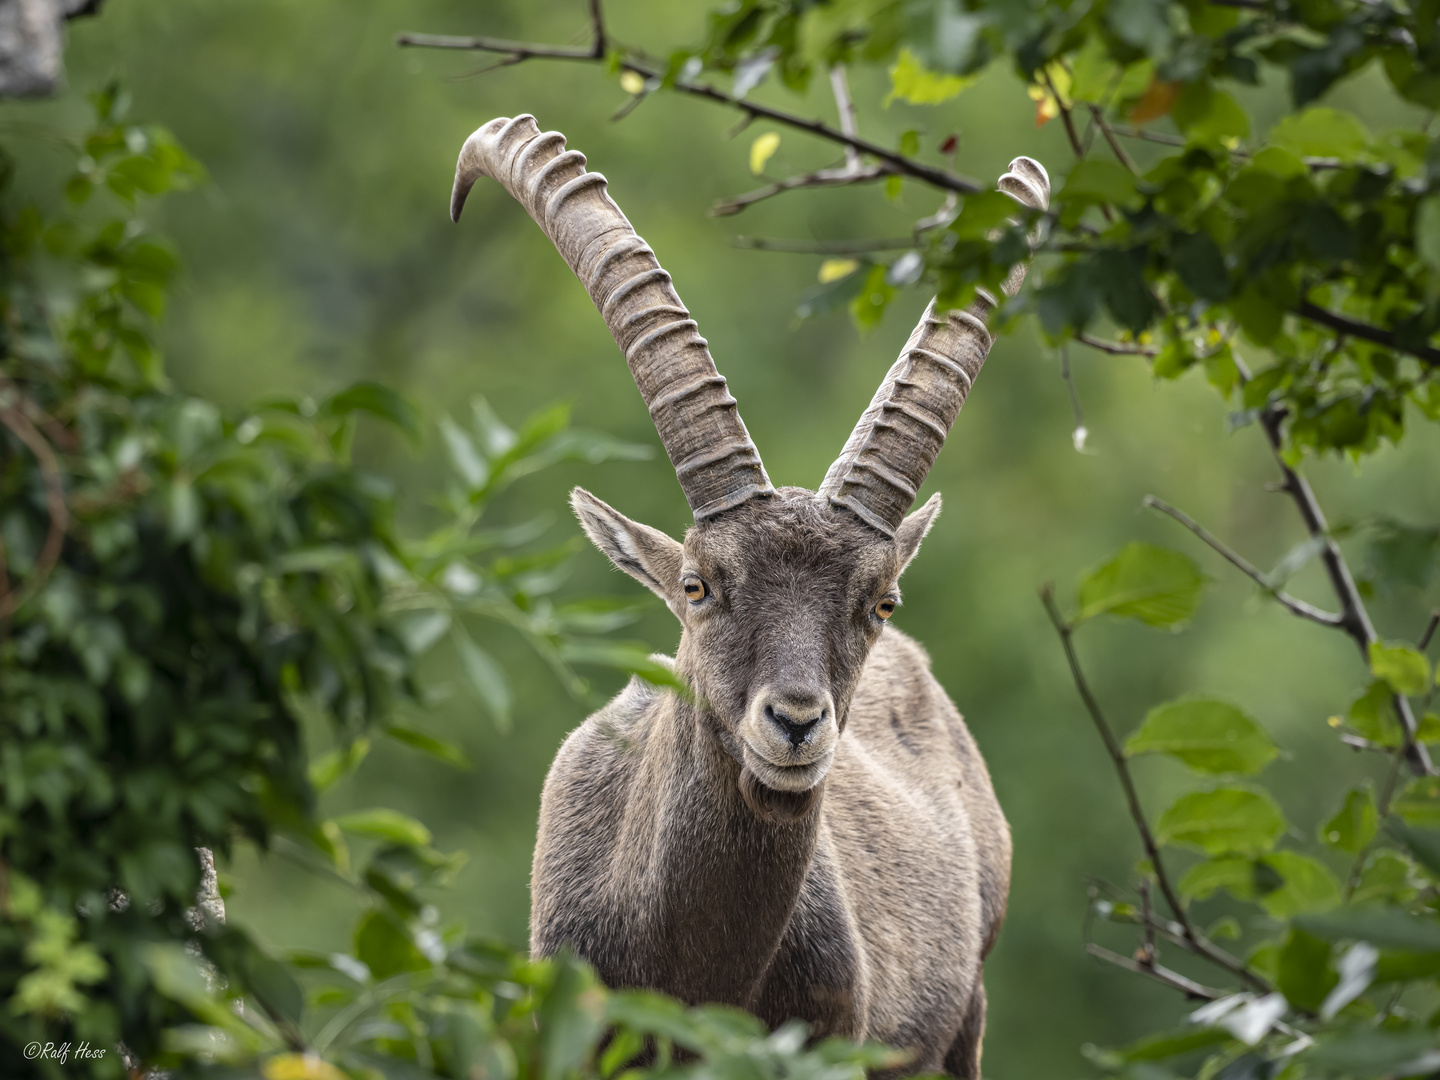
(812, 833)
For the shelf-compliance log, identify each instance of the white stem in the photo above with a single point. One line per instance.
(846, 107)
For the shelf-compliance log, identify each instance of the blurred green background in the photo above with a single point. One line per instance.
(321, 253)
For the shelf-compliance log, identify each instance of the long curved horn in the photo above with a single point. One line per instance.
(889, 453)
(717, 464)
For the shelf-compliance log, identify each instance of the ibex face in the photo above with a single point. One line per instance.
(781, 594)
(780, 600)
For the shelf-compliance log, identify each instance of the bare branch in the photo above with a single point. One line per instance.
(1426, 354)
(1197, 942)
(1292, 604)
(1173, 979)
(821, 178)
(13, 417)
(1354, 617)
(901, 163)
(1424, 642)
(840, 247)
(1115, 348)
(1098, 115)
(520, 50)
(597, 24)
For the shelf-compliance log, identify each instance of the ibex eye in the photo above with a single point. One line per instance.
(695, 589)
(884, 609)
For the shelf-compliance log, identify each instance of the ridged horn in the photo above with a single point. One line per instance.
(889, 453)
(714, 458)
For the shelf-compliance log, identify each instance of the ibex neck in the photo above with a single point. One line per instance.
(723, 881)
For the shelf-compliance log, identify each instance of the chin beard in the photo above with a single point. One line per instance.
(779, 807)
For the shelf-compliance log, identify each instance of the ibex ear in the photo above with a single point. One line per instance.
(913, 529)
(646, 554)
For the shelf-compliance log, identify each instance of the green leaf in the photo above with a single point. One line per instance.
(335, 764)
(1307, 885)
(1201, 266)
(570, 1018)
(1402, 666)
(1234, 873)
(1222, 821)
(1427, 231)
(1371, 1053)
(428, 744)
(867, 307)
(1205, 114)
(1099, 180)
(1386, 878)
(1321, 132)
(1419, 802)
(911, 81)
(654, 668)
(385, 948)
(1172, 1044)
(379, 401)
(1158, 586)
(1423, 844)
(1354, 824)
(1209, 736)
(382, 823)
(486, 677)
(1372, 714)
(1383, 927)
(1306, 975)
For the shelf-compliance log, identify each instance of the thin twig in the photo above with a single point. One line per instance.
(1065, 116)
(940, 178)
(1080, 431)
(1173, 979)
(845, 106)
(1125, 159)
(20, 426)
(597, 26)
(1148, 953)
(1114, 348)
(1292, 604)
(1197, 942)
(1424, 642)
(839, 247)
(821, 178)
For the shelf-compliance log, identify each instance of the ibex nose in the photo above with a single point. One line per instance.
(795, 723)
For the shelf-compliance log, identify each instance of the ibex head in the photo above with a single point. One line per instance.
(781, 593)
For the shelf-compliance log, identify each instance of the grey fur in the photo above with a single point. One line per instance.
(855, 880)
(811, 832)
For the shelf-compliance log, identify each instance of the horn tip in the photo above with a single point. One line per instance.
(474, 154)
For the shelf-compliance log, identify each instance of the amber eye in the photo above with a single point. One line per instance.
(884, 609)
(695, 589)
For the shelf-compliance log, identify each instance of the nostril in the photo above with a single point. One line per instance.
(797, 731)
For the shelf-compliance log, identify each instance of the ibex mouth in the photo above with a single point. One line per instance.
(788, 777)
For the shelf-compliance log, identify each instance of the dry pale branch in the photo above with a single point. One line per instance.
(821, 178)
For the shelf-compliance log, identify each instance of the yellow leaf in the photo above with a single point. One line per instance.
(300, 1067)
(632, 82)
(835, 269)
(1046, 107)
(761, 150)
(911, 81)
